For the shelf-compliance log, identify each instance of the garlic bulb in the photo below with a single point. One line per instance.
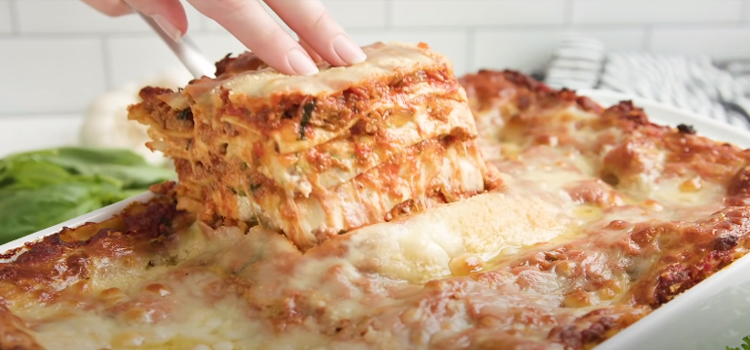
(106, 121)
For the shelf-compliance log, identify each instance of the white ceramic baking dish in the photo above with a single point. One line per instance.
(716, 312)
(713, 314)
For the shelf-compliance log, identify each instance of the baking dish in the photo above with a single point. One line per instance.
(708, 311)
(716, 312)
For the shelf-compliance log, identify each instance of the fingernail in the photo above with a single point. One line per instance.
(168, 28)
(348, 51)
(301, 62)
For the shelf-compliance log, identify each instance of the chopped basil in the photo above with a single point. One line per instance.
(185, 114)
(307, 111)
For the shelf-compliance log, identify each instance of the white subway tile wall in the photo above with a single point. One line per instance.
(721, 43)
(49, 75)
(526, 49)
(69, 53)
(211, 25)
(55, 16)
(136, 58)
(656, 11)
(5, 18)
(359, 13)
(469, 13)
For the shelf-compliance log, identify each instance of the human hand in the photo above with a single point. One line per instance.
(321, 37)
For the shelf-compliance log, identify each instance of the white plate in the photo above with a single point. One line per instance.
(713, 314)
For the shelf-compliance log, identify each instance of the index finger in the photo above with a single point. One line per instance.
(249, 22)
(112, 8)
(312, 22)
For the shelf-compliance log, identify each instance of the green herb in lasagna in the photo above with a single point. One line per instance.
(307, 111)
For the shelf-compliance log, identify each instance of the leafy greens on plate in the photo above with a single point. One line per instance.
(43, 188)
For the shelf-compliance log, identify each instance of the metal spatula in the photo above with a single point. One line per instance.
(185, 50)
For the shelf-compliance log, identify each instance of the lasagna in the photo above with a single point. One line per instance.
(598, 217)
(318, 156)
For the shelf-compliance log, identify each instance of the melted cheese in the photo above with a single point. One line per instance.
(230, 291)
(382, 60)
(420, 249)
(455, 170)
(554, 258)
(413, 250)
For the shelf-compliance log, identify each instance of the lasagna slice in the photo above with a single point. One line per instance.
(317, 156)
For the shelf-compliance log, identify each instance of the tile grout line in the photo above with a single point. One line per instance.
(648, 33)
(388, 14)
(15, 26)
(68, 114)
(416, 29)
(568, 14)
(470, 50)
(106, 64)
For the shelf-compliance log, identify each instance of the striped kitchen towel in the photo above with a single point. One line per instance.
(719, 90)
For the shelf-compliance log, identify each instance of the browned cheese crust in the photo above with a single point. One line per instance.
(659, 209)
(58, 268)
